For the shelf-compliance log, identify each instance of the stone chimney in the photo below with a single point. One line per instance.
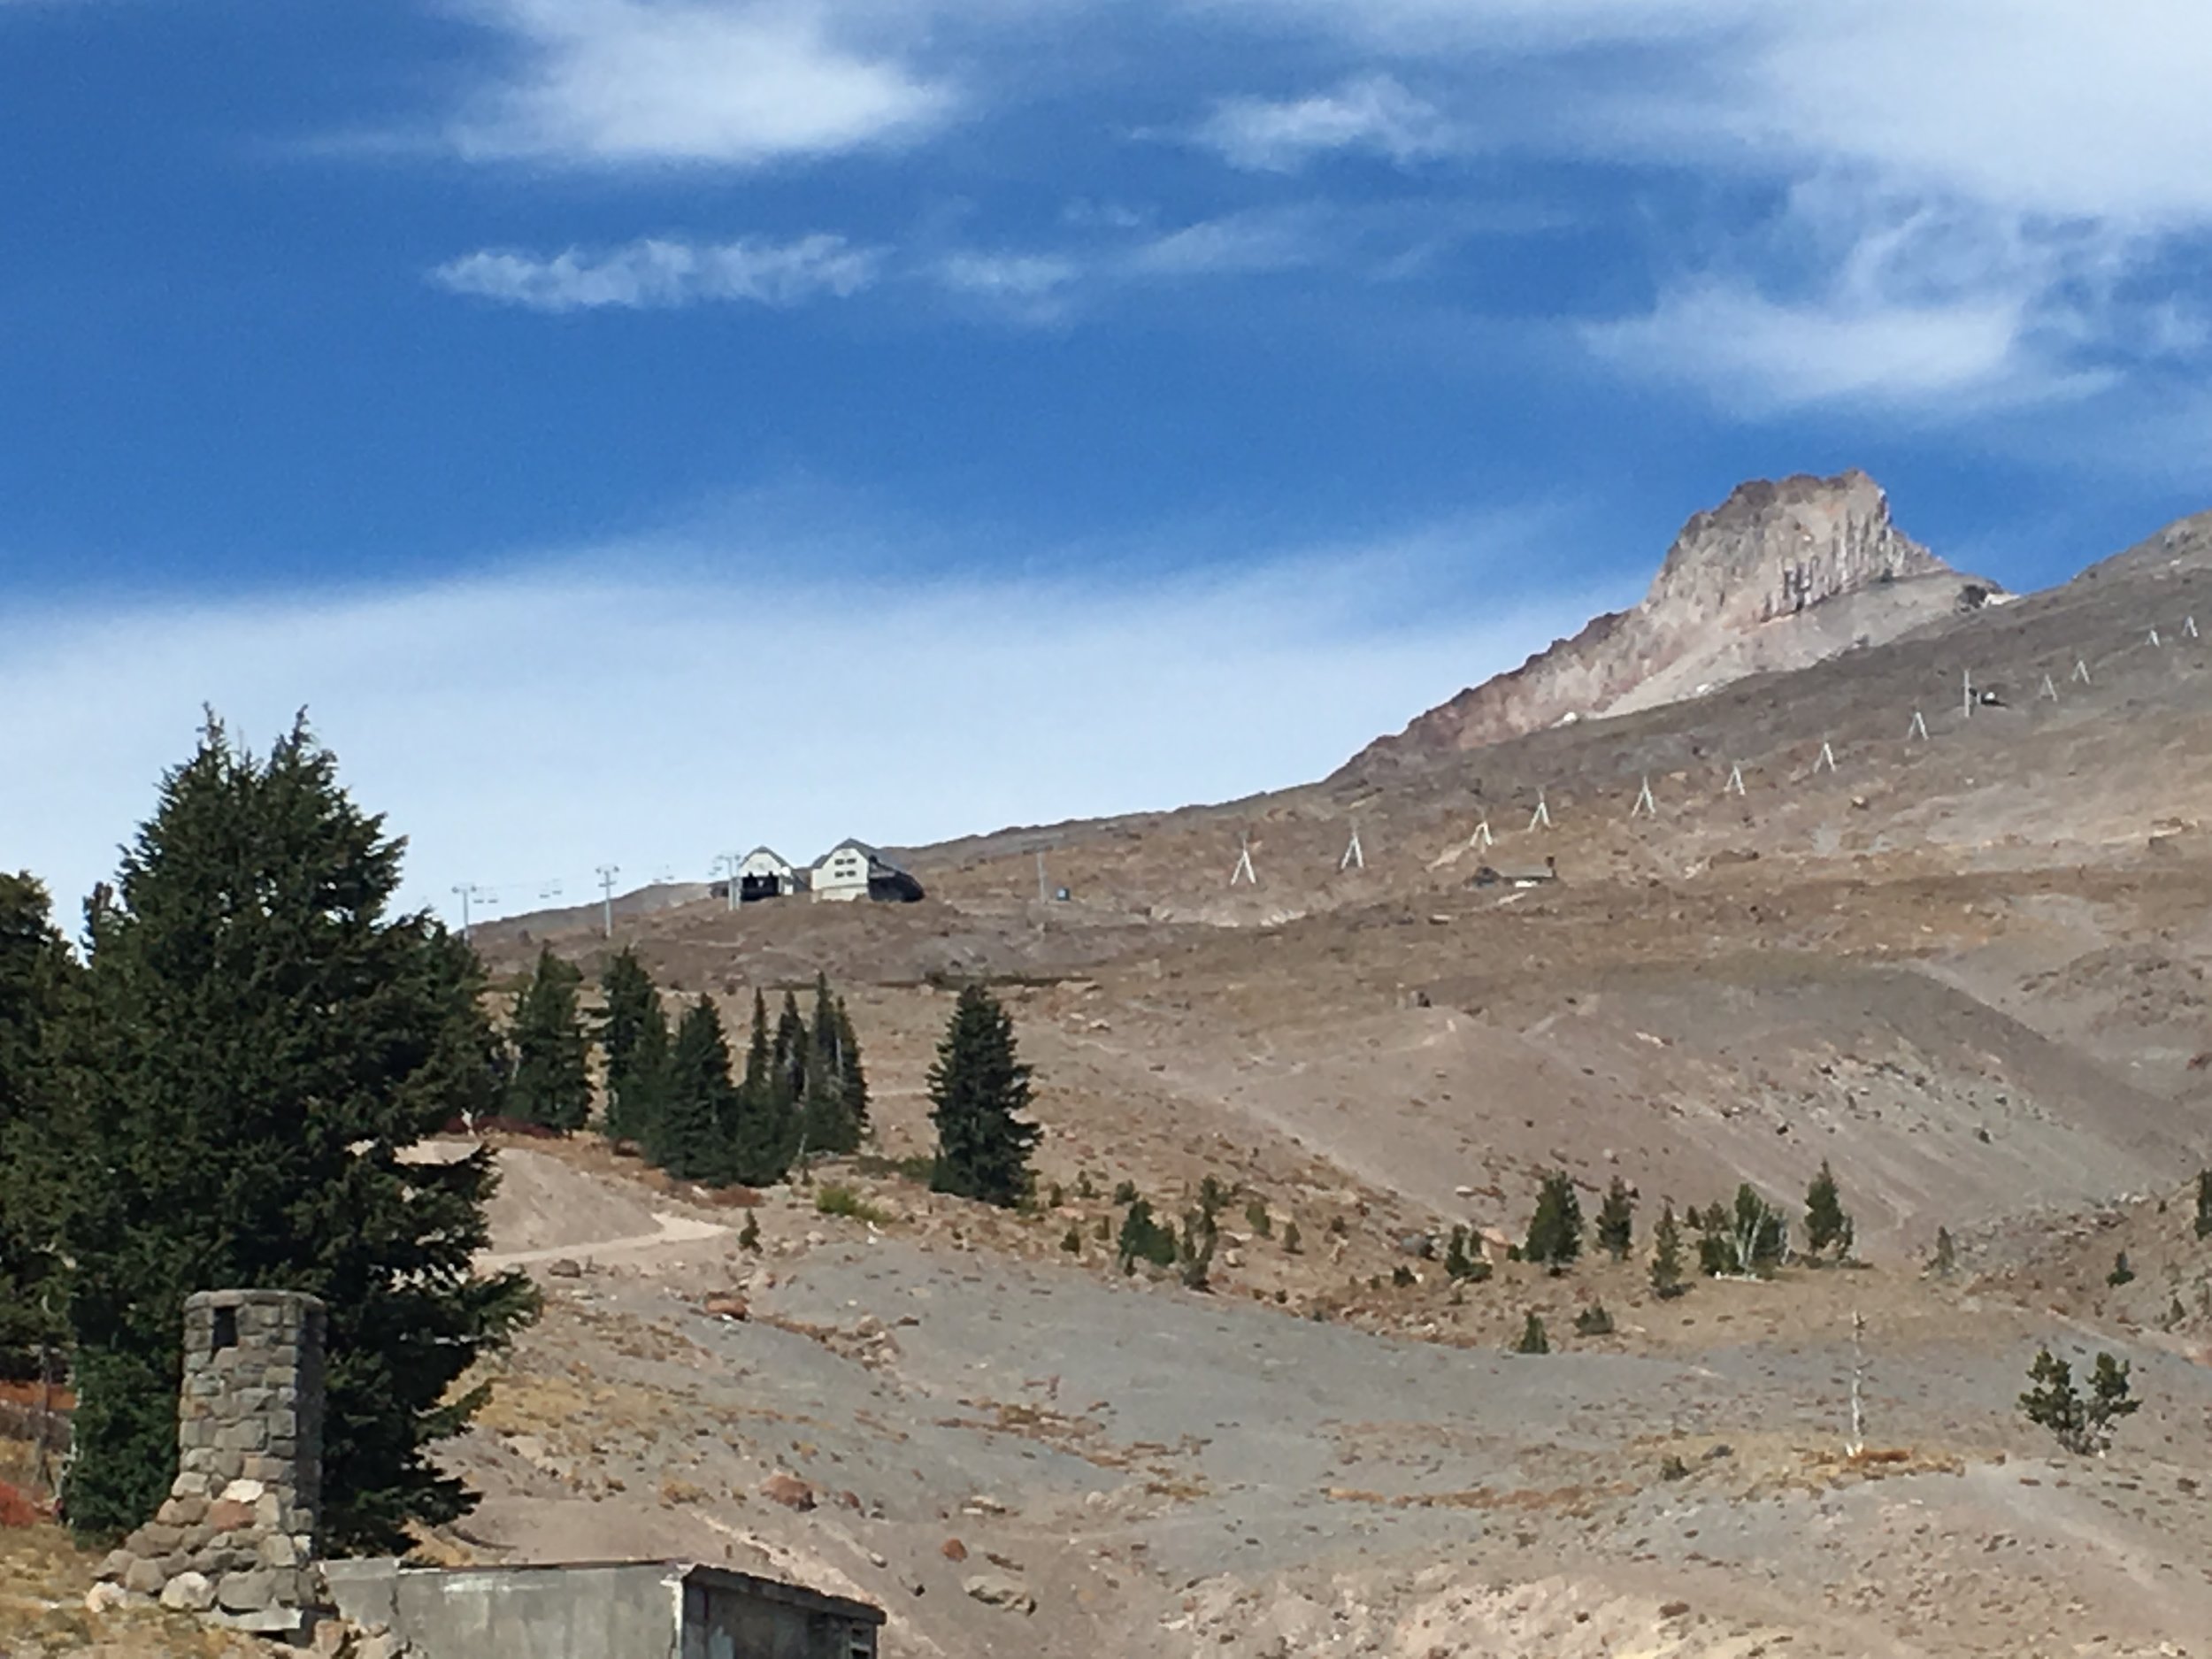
(237, 1536)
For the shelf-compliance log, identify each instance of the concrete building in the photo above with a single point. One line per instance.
(765, 873)
(601, 1610)
(854, 870)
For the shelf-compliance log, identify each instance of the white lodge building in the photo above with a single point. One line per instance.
(854, 870)
(765, 873)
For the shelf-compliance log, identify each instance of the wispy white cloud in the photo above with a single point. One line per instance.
(1859, 295)
(1372, 113)
(530, 724)
(1756, 356)
(728, 82)
(658, 274)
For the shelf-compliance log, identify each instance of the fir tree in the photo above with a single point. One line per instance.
(852, 1075)
(1666, 1256)
(634, 1036)
(1555, 1233)
(1144, 1239)
(826, 1122)
(692, 1140)
(763, 1121)
(1616, 1221)
(1457, 1263)
(791, 1051)
(2080, 1426)
(977, 1090)
(1945, 1262)
(36, 975)
(549, 1079)
(263, 1042)
(1825, 1224)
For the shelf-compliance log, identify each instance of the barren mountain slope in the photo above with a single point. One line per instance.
(1779, 576)
(1963, 968)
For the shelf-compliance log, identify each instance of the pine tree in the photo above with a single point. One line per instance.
(1534, 1339)
(692, 1142)
(1144, 1239)
(1555, 1233)
(36, 975)
(2204, 1204)
(826, 1122)
(763, 1124)
(1616, 1221)
(977, 1090)
(791, 1051)
(262, 1044)
(2080, 1426)
(1457, 1263)
(548, 1081)
(1666, 1256)
(853, 1076)
(1825, 1224)
(634, 1036)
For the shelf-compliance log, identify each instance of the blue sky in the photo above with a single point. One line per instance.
(1093, 404)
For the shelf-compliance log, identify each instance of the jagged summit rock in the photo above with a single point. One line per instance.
(1780, 575)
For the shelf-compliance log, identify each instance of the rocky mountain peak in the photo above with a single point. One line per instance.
(1774, 549)
(1782, 574)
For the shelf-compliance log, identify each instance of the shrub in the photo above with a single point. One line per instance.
(1072, 1240)
(1125, 1192)
(1083, 1188)
(832, 1200)
(1402, 1277)
(2204, 1204)
(748, 1235)
(1533, 1339)
(1291, 1246)
(1593, 1321)
(1255, 1216)
(2121, 1274)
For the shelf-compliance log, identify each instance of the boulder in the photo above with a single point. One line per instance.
(789, 1490)
(188, 1593)
(999, 1589)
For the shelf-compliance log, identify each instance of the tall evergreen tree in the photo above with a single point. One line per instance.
(852, 1074)
(1616, 1221)
(977, 1090)
(634, 1037)
(764, 1122)
(263, 1042)
(36, 975)
(1555, 1233)
(791, 1051)
(692, 1141)
(1666, 1256)
(827, 1124)
(548, 1081)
